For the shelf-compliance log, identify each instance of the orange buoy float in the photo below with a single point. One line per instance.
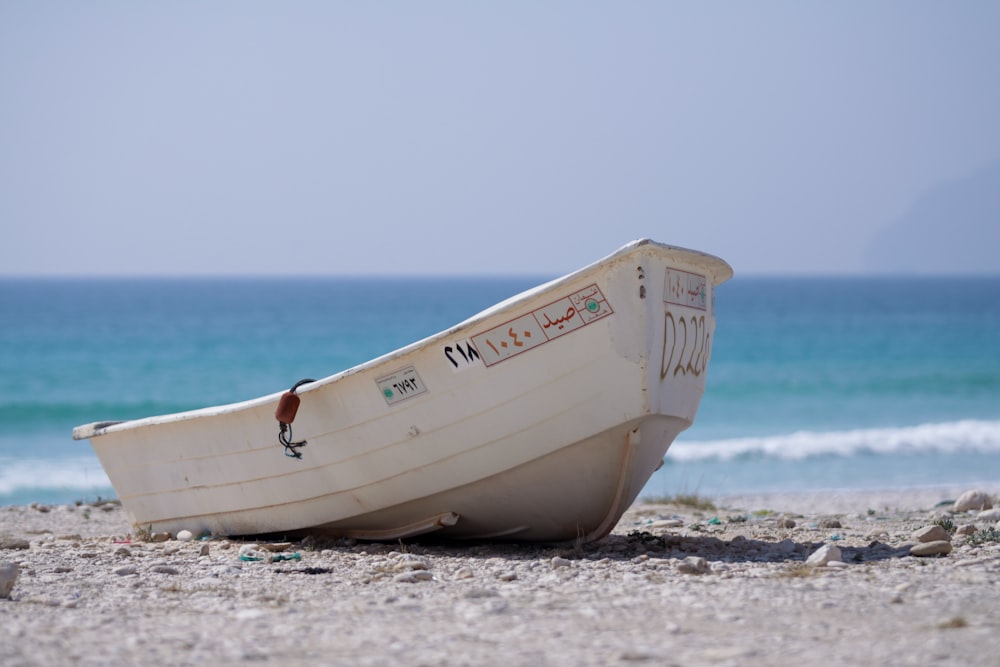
(288, 406)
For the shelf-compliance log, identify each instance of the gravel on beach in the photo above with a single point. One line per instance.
(767, 580)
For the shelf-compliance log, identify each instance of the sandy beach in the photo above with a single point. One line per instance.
(822, 578)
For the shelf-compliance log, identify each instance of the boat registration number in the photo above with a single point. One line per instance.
(401, 385)
(542, 325)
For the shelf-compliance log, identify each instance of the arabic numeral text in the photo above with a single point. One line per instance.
(406, 386)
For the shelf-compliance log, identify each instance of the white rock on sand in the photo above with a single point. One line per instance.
(973, 500)
(824, 555)
(90, 593)
(989, 515)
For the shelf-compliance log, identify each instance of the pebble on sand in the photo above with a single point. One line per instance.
(936, 548)
(989, 515)
(694, 565)
(824, 555)
(934, 533)
(413, 576)
(8, 576)
(12, 543)
(973, 500)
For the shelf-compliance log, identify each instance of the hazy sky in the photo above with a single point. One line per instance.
(479, 137)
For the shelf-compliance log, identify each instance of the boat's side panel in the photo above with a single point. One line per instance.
(576, 492)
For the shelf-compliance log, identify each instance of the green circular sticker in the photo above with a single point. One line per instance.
(387, 392)
(593, 306)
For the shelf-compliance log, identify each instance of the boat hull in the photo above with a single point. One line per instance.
(538, 419)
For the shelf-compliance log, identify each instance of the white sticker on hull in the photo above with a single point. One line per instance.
(542, 325)
(461, 356)
(685, 289)
(401, 385)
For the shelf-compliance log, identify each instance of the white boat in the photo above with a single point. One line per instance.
(540, 418)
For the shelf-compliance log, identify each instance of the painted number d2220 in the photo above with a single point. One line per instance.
(686, 345)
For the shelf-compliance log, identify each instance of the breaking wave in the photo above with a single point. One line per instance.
(76, 477)
(960, 436)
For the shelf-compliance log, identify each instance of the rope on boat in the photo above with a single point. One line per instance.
(288, 405)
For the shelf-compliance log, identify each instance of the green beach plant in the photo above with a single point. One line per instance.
(692, 500)
(946, 523)
(984, 536)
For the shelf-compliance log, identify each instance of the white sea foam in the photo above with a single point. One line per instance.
(72, 474)
(959, 436)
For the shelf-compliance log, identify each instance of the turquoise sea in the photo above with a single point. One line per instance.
(814, 383)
